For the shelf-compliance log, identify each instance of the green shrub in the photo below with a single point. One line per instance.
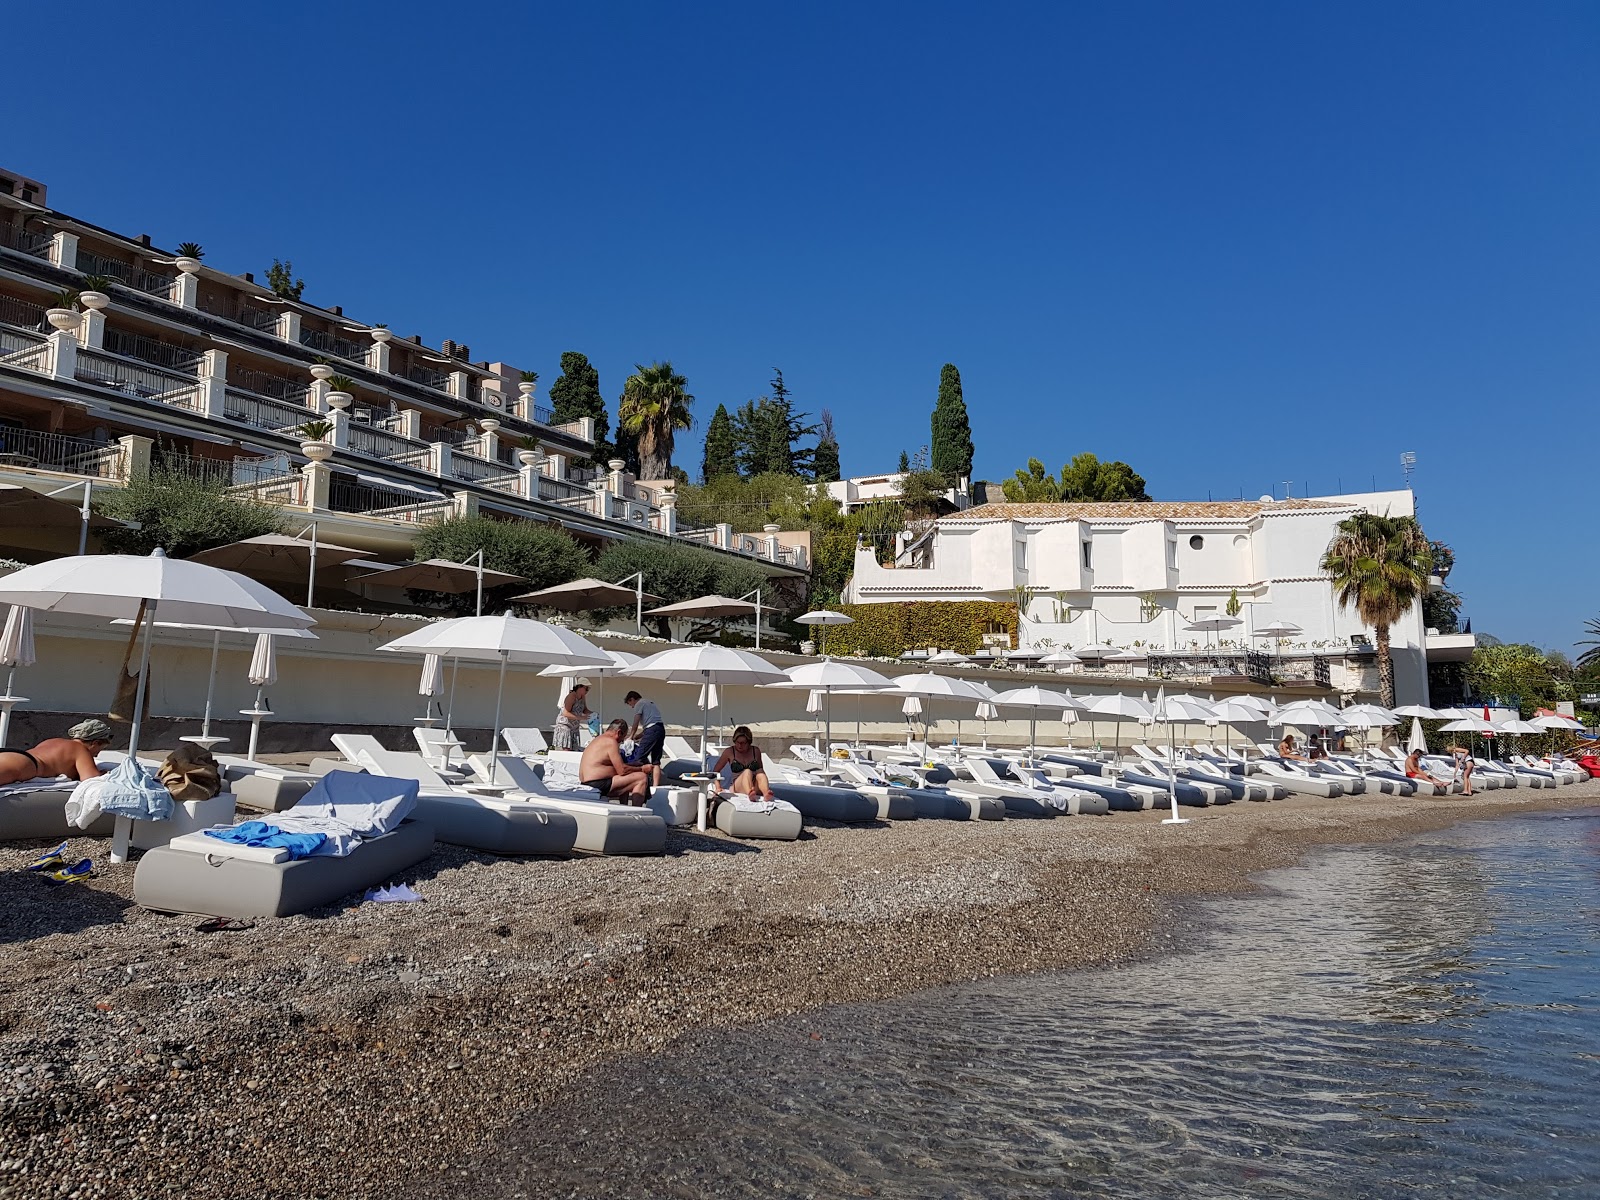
(678, 571)
(888, 630)
(182, 514)
(746, 504)
(538, 553)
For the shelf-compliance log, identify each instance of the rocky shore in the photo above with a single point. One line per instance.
(375, 1050)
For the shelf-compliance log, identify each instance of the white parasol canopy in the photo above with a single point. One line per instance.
(1416, 710)
(1467, 725)
(824, 617)
(1557, 721)
(504, 639)
(1033, 699)
(1060, 658)
(1095, 650)
(1368, 716)
(826, 677)
(706, 664)
(1277, 629)
(947, 658)
(1307, 713)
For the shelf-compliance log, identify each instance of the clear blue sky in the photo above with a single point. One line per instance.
(1233, 244)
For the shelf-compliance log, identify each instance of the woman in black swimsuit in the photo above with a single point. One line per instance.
(743, 758)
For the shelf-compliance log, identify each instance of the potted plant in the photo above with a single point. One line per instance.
(94, 291)
(189, 256)
(341, 386)
(529, 453)
(380, 333)
(321, 368)
(530, 382)
(63, 314)
(314, 444)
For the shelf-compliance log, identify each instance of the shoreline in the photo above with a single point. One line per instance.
(397, 1041)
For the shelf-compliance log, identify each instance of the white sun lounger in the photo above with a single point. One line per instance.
(603, 827)
(485, 821)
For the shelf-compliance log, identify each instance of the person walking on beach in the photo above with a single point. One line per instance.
(649, 734)
(72, 756)
(1464, 765)
(574, 715)
(602, 768)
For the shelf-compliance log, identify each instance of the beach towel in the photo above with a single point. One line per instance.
(259, 833)
(124, 791)
(348, 808)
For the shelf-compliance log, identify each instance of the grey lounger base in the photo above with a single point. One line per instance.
(42, 813)
(183, 881)
(782, 824)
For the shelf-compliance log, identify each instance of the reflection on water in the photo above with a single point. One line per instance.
(1420, 1019)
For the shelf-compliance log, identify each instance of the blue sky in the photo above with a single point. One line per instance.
(1234, 244)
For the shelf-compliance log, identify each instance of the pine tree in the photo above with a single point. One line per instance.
(952, 432)
(825, 463)
(576, 394)
(905, 463)
(721, 453)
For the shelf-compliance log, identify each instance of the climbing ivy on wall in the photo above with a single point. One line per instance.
(888, 630)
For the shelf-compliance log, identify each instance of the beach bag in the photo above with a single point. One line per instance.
(190, 773)
(128, 791)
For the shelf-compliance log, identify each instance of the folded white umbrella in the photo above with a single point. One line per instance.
(912, 707)
(148, 588)
(1170, 712)
(505, 639)
(814, 701)
(263, 672)
(708, 697)
(16, 650)
(1418, 739)
(432, 681)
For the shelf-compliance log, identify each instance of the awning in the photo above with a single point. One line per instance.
(396, 485)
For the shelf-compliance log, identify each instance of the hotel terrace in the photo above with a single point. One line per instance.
(177, 365)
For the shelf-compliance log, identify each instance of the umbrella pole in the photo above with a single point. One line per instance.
(6, 704)
(311, 573)
(494, 738)
(1033, 734)
(450, 713)
(827, 722)
(211, 685)
(1172, 781)
(123, 832)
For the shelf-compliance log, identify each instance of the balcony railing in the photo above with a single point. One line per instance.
(472, 469)
(264, 319)
(263, 412)
(380, 443)
(348, 497)
(25, 241)
(229, 472)
(150, 350)
(24, 314)
(332, 343)
(61, 452)
(152, 282)
(428, 377)
(275, 489)
(91, 263)
(27, 350)
(564, 491)
(125, 375)
(278, 387)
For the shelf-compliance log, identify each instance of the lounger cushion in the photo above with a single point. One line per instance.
(171, 879)
(41, 812)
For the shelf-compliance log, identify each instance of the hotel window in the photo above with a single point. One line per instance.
(1088, 555)
(1019, 553)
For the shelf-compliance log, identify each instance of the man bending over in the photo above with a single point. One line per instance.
(72, 756)
(602, 768)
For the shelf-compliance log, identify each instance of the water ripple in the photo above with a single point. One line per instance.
(1410, 1020)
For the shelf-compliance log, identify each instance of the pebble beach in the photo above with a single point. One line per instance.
(379, 1050)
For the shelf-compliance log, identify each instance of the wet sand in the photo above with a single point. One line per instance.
(376, 1050)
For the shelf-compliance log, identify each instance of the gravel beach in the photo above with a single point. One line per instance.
(375, 1050)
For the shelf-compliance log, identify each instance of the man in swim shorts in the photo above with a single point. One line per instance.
(602, 767)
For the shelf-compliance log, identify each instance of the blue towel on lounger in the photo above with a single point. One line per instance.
(259, 833)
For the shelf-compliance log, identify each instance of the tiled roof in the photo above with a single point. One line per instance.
(1153, 510)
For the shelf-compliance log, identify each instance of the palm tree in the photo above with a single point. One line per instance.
(1589, 657)
(1379, 566)
(653, 407)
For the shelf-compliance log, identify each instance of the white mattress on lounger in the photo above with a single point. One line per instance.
(199, 843)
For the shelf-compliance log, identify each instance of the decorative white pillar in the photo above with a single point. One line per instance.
(289, 326)
(318, 481)
(558, 466)
(669, 510)
(488, 440)
(772, 541)
(63, 354)
(213, 382)
(340, 437)
(378, 356)
(459, 384)
(136, 455)
(64, 250)
(725, 535)
(439, 459)
(411, 423)
(186, 291)
(92, 329)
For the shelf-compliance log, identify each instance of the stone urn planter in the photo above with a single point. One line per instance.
(317, 451)
(321, 371)
(64, 319)
(381, 335)
(531, 458)
(339, 399)
(94, 300)
(189, 266)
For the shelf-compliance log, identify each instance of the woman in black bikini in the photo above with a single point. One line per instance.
(743, 758)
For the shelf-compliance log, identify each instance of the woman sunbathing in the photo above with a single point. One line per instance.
(743, 759)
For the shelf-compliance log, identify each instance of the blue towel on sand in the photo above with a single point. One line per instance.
(259, 833)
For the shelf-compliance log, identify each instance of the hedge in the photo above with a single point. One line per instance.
(888, 630)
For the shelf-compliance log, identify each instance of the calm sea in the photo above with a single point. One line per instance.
(1417, 1019)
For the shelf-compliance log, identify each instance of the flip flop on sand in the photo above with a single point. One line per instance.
(76, 873)
(224, 925)
(50, 860)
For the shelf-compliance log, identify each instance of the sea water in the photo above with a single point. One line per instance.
(1413, 1019)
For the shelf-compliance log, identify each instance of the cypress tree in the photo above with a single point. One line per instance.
(721, 448)
(576, 394)
(825, 462)
(952, 432)
(905, 463)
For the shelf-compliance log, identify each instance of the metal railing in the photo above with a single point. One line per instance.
(349, 497)
(230, 472)
(563, 491)
(264, 412)
(150, 350)
(25, 241)
(1321, 672)
(421, 458)
(428, 377)
(539, 414)
(380, 443)
(152, 282)
(332, 343)
(471, 468)
(91, 263)
(125, 375)
(266, 320)
(278, 387)
(24, 314)
(510, 484)
(61, 452)
(276, 489)
(27, 350)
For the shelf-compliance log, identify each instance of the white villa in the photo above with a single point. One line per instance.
(1134, 575)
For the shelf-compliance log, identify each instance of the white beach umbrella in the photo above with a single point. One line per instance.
(1557, 721)
(1095, 650)
(824, 678)
(1033, 699)
(1467, 725)
(1307, 714)
(1171, 712)
(263, 672)
(912, 709)
(1416, 710)
(1277, 629)
(430, 685)
(507, 640)
(1024, 653)
(1210, 625)
(706, 665)
(1231, 711)
(933, 687)
(947, 658)
(824, 617)
(619, 660)
(1368, 716)
(1060, 658)
(1118, 705)
(1518, 727)
(148, 588)
(814, 701)
(16, 650)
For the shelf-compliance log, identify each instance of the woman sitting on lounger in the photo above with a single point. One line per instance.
(1414, 770)
(1286, 748)
(743, 759)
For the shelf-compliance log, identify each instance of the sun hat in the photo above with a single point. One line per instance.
(582, 681)
(92, 730)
